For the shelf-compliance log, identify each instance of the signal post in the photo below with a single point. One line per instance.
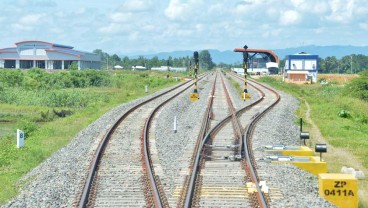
(194, 96)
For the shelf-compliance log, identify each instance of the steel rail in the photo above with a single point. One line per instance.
(157, 198)
(103, 143)
(201, 135)
(247, 144)
(191, 185)
(198, 156)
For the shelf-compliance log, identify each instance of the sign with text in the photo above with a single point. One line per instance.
(20, 138)
(339, 189)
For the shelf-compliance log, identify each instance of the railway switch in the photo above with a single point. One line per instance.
(311, 164)
(340, 189)
(289, 150)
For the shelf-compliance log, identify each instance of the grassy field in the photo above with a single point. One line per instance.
(341, 119)
(36, 117)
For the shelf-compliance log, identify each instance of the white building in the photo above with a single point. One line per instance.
(165, 68)
(45, 55)
(301, 67)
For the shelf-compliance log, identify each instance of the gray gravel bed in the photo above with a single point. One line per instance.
(173, 148)
(57, 180)
(298, 187)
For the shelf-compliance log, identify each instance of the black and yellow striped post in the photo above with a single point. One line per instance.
(245, 95)
(194, 96)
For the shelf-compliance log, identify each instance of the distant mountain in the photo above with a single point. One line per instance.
(230, 57)
(324, 51)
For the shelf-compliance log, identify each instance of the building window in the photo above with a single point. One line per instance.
(9, 64)
(68, 63)
(57, 64)
(25, 64)
(40, 64)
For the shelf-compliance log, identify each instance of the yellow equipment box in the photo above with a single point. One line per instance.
(340, 189)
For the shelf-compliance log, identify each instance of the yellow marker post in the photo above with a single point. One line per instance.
(340, 189)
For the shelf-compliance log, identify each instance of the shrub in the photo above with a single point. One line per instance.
(28, 127)
(344, 113)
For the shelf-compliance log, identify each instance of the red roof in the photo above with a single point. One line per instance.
(269, 53)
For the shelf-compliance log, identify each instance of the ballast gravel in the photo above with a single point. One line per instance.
(58, 180)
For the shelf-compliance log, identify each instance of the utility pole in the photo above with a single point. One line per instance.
(351, 64)
(107, 64)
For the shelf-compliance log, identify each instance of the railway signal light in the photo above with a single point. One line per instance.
(194, 96)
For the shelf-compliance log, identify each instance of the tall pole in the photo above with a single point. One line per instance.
(196, 66)
(168, 68)
(245, 95)
(107, 64)
(351, 64)
(190, 68)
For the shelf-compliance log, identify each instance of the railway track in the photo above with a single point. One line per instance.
(224, 173)
(121, 173)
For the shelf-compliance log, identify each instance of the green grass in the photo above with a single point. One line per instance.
(349, 133)
(53, 135)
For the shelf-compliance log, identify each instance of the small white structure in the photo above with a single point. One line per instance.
(118, 67)
(20, 138)
(238, 70)
(138, 68)
(165, 68)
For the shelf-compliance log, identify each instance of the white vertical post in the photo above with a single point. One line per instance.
(20, 138)
(146, 88)
(175, 128)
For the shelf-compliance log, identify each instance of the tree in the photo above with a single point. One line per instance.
(205, 60)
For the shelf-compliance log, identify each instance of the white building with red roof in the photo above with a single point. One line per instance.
(46, 55)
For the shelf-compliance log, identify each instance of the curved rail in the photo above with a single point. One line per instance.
(157, 197)
(102, 145)
(245, 145)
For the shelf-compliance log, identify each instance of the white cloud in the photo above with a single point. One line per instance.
(121, 17)
(185, 24)
(31, 19)
(177, 10)
(341, 11)
(137, 5)
(289, 17)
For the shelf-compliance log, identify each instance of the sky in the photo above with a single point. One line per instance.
(131, 27)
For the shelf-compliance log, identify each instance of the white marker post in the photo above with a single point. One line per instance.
(146, 88)
(175, 129)
(20, 138)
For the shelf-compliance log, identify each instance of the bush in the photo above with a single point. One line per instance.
(344, 114)
(358, 87)
(28, 127)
